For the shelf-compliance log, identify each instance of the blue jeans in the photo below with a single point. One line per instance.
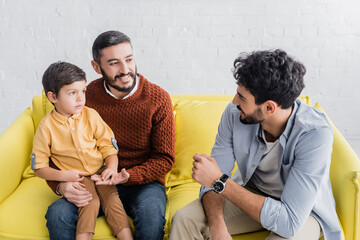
(145, 204)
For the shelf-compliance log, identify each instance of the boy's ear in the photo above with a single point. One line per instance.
(96, 67)
(51, 96)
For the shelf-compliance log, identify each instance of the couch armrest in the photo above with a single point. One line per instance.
(15, 149)
(345, 179)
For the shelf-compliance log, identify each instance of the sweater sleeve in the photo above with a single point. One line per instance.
(162, 152)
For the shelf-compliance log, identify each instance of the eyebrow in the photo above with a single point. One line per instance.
(241, 96)
(116, 59)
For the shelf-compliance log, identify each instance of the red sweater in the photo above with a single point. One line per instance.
(144, 128)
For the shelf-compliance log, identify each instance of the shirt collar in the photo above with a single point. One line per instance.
(130, 93)
(62, 119)
(289, 124)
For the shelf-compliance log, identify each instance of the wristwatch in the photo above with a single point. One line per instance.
(219, 184)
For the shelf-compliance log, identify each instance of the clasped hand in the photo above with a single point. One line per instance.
(111, 177)
(205, 170)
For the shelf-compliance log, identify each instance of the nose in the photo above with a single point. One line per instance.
(235, 100)
(80, 96)
(123, 68)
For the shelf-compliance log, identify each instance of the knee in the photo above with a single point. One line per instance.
(60, 212)
(179, 217)
(95, 202)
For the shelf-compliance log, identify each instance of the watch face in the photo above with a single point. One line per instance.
(218, 186)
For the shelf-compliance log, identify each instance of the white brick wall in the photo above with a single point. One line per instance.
(186, 46)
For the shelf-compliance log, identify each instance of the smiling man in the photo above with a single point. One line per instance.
(283, 150)
(141, 117)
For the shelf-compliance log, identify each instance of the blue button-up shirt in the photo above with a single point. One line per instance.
(304, 162)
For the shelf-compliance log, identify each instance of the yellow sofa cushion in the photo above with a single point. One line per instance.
(196, 124)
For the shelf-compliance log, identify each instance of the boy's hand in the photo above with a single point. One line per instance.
(108, 174)
(120, 178)
(73, 175)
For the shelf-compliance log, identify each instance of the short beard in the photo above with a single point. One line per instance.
(109, 81)
(255, 117)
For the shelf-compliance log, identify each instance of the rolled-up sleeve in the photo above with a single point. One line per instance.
(41, 148)
(311, 166)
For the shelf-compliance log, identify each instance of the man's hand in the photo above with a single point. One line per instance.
(75, 192)
(219, 233)
(121, 178)
(205, 170)
(73, 175)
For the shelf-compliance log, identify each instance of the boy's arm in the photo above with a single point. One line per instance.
(52, 174)
(111, 163)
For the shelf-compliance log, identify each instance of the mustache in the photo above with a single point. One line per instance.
(123, 75)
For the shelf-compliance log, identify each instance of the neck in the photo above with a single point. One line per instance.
(275, 125)
(118, 94)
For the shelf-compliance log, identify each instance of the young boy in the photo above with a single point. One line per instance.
(77, 140)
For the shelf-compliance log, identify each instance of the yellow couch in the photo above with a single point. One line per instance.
(24, 198)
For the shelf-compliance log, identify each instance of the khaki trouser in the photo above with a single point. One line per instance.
(112, 207)
(190, 223)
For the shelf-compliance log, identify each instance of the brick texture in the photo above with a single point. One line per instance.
(186, 46)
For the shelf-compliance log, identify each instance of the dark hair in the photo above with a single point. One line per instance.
(270, 75)
(59, 74)
(107, 39)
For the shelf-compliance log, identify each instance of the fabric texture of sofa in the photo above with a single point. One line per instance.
(24, 198)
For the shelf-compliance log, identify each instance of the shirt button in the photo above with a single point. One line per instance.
(246, 179)
(262, 149)
(86, 167)
(73, 129)
(253, 166)
(79, 149)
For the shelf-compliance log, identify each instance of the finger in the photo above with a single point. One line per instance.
(96, 177)
(106, 175)
(124, 173)
(79, 187)
(107, 182)
(83, 173)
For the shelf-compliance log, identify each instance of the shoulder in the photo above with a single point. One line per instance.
(47, 120)
(310, 118)
(154, 92)
(90, 114)
(94, 85)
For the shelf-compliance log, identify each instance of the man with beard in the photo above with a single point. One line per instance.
(283, 151)
(141, 116)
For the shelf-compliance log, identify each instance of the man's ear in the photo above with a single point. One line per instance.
(271, 107)
(51, 96)
(96, 66)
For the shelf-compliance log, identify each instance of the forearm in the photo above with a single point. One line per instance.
(50, 174)
(112, 161)
(213, 205)
(247, 201)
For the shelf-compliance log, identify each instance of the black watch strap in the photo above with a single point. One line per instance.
(223, 178)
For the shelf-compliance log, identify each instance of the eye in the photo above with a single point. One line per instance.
(72, 93)
(113, 63)
(129, 60)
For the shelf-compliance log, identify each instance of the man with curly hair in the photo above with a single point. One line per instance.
(283, 151)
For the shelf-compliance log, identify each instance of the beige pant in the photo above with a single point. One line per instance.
(190, 223)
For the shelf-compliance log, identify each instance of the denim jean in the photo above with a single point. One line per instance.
(145, 204)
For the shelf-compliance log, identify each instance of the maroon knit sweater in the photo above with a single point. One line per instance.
(144, 128)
